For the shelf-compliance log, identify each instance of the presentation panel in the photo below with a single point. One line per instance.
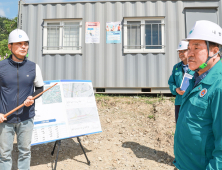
(67, 110)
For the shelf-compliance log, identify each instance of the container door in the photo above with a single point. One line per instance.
(193, 15)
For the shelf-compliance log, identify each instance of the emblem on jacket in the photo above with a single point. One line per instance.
(203, 92)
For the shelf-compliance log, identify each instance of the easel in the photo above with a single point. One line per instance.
(59, 144)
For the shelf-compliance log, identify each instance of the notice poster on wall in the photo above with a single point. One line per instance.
(67, 110)
(113, 32)
(92, 32)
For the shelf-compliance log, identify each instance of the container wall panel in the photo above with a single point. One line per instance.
(106, 64)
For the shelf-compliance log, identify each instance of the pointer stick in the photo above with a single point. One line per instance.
(7, 114)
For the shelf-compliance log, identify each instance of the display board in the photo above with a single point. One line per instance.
(65, 111)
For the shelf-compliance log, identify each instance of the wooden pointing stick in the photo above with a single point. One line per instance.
(15, 109)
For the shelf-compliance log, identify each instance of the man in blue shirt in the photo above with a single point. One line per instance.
(18, 79)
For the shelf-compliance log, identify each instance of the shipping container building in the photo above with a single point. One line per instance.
(140, 63)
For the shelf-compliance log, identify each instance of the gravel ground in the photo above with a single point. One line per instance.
(137, 134)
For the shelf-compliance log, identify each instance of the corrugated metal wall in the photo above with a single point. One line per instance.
(106, 64)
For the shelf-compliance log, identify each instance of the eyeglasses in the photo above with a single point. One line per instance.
(181, 51)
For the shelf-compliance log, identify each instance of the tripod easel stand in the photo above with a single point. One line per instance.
(59, 144)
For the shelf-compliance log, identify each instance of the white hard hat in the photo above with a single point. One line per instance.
(207, 31)
(183, 45)
(17, 35)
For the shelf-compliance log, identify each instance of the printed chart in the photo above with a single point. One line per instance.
(66, 110)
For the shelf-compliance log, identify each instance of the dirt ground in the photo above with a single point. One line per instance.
(137, 134)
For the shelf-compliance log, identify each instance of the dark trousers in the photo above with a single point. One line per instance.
(177, 109)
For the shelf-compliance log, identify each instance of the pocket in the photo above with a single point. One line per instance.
(178, 73)
(32, 120)
(198, 106)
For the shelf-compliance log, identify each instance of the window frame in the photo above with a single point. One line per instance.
(61, 39)
(143, 49)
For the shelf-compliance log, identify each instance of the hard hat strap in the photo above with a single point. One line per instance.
(17, 57)
(202, 66)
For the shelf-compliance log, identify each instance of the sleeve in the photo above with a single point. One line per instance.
(38, 82)
(216, 107)
(172, 83)
(37, 91)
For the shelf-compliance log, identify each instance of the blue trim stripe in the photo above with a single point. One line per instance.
(45, 121)
(75, 80)
(63, 138)
(51, 81)
(85, 134)
(49, 125)
(56, 81)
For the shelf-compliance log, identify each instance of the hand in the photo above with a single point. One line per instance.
(2, 118)
(180, 92)
(29, 101)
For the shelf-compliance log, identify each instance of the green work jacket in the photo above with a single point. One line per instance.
(175, 80)
(198, 136)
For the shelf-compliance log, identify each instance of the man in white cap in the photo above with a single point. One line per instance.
(176, 77)
(198, 136)
(18, 79)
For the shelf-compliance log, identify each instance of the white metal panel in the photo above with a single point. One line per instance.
(106, 64)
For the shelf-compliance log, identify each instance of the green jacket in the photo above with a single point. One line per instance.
(198, 136)
(175, 80)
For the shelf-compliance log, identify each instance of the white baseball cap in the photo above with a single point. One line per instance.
(207, 31)
(183, 45)
(17, 35)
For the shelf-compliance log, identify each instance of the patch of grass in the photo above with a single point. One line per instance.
(128, 102)
(151, 117)
(161, 99)
(102, 98)
(150, 102)
(172, 99)
(100, 95)
(143, 97)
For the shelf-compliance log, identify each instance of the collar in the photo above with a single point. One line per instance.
(213, 73)
(16, 64)
(180, 63)
(201, 77)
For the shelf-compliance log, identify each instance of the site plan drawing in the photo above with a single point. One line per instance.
(52, 96)
(66, 110)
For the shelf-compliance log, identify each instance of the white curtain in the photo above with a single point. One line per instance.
(134, 34)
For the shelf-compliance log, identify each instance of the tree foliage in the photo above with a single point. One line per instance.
(2, 27)
(6, 26)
